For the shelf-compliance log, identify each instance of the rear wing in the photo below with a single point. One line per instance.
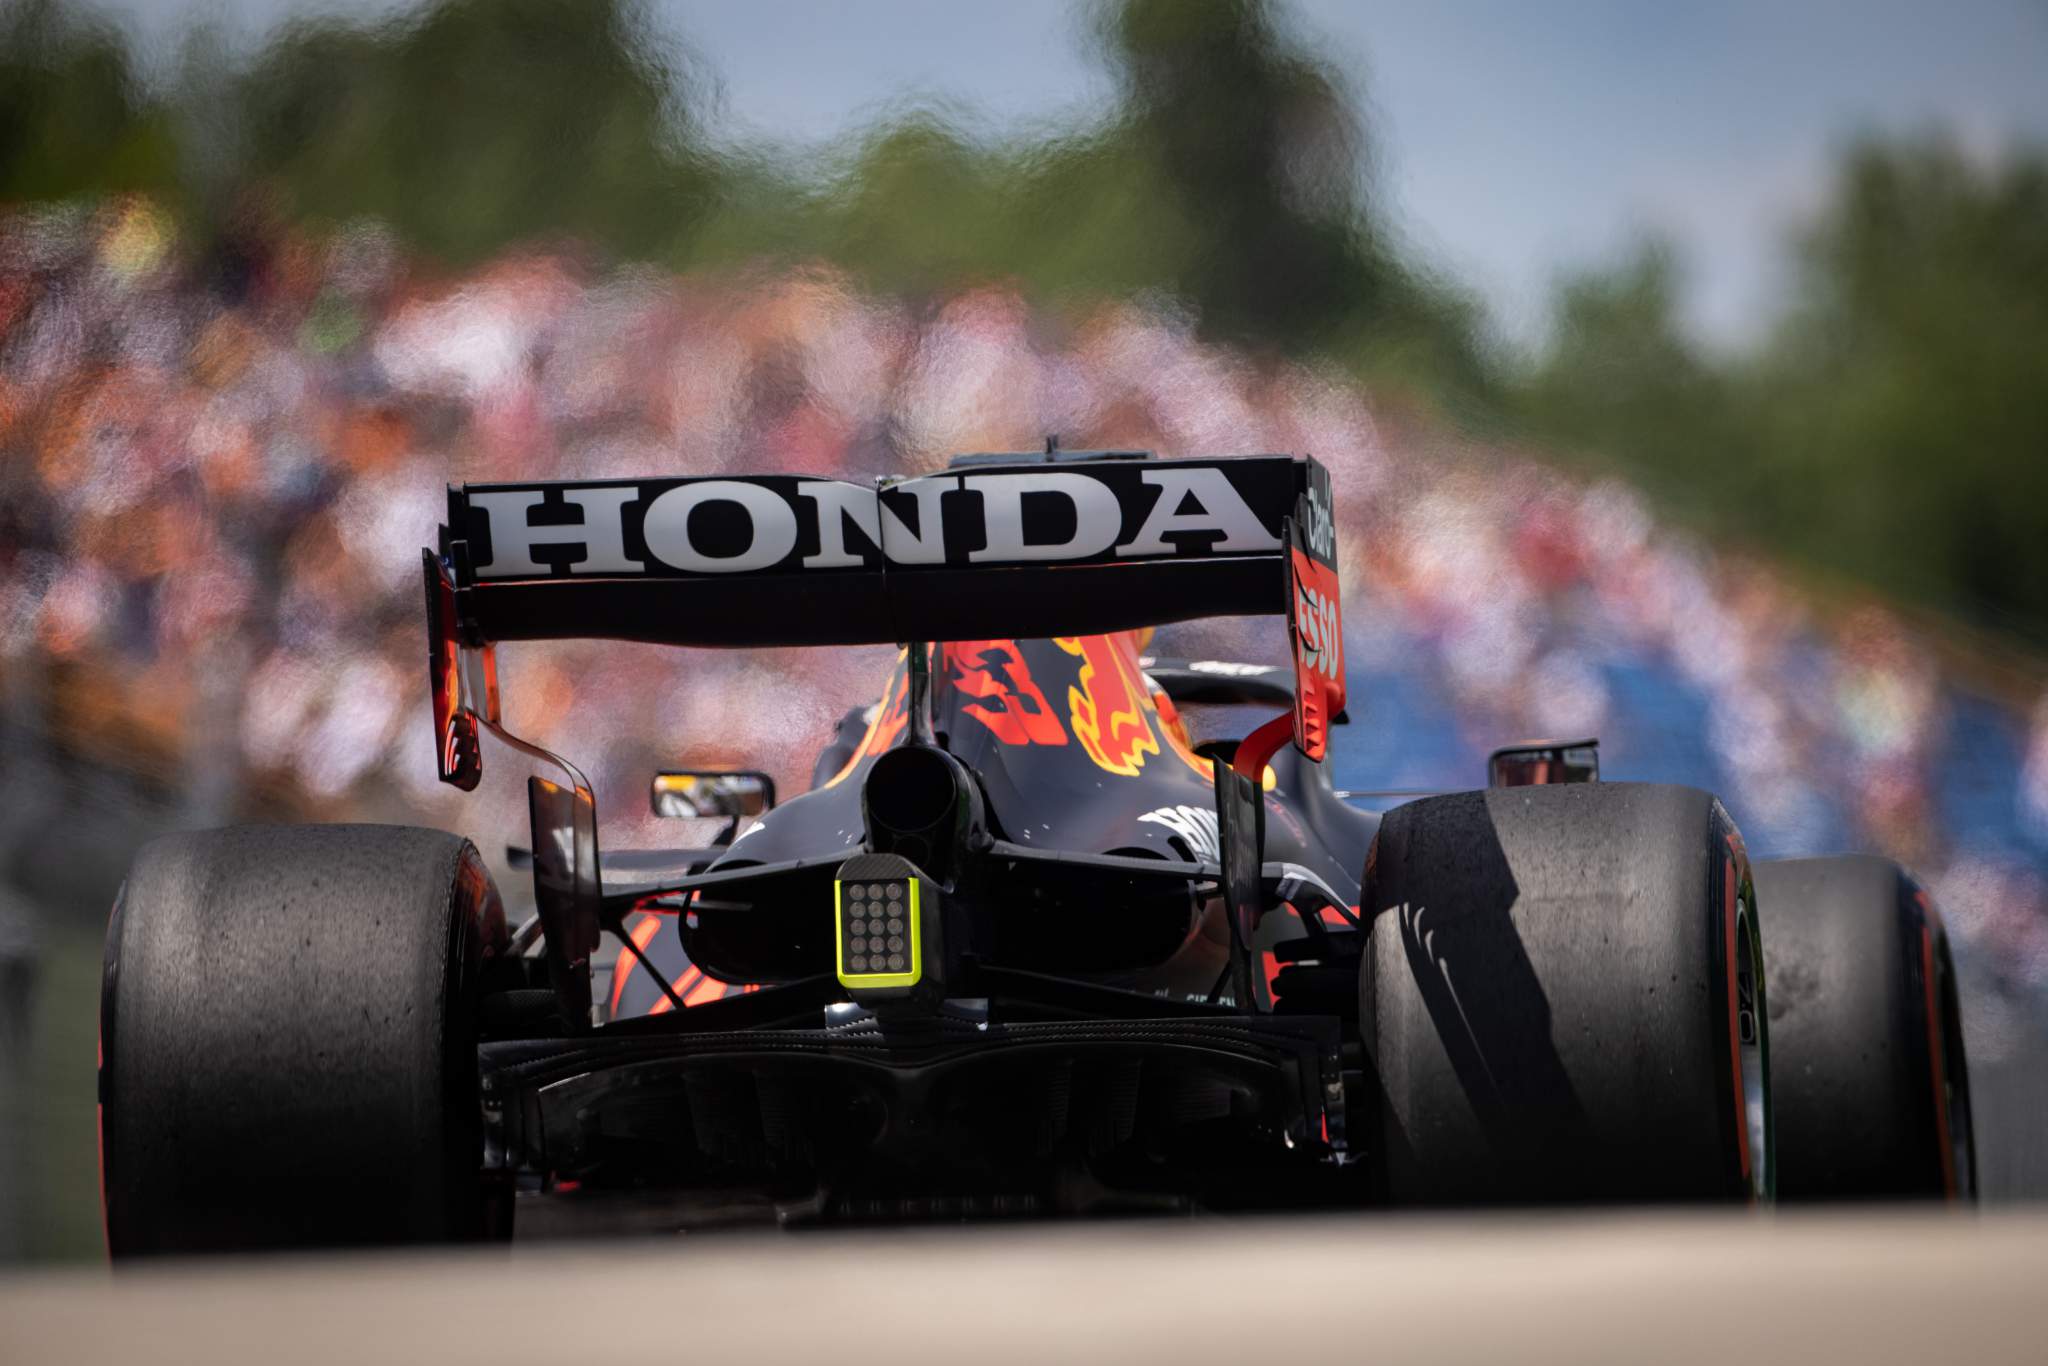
(1078, 547)
(1030, 548)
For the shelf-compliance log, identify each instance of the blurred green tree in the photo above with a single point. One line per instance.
(478, 123)
(1622, 379)
(1260, 143)
(1265, 155)
(1892, 427)
(1908, 384)
(75, 120)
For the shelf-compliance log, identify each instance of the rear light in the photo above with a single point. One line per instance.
(885, 927)
(457, 753)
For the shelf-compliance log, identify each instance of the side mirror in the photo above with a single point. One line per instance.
(708, 793)
(1541, 762)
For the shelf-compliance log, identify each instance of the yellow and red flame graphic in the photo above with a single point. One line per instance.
(1108, 704)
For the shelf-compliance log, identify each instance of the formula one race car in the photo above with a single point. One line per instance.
(1024, 947)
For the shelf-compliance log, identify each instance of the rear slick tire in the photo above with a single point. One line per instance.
(1874, 1083)
(1561, 998)
(288, 1040)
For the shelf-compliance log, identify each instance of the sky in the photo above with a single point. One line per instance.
(1514, 141)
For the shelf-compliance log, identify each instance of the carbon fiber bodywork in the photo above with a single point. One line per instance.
(868, 1119)
(1104, 1061)
(1071, 753)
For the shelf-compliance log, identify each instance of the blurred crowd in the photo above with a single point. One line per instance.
(218, 463)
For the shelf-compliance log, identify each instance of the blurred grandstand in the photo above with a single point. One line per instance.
(219, 472)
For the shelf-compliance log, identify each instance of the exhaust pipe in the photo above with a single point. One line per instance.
(921, 803)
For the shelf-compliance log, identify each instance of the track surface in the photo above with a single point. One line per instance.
(1858, 1287)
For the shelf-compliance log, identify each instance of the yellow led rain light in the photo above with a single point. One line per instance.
(879, 931)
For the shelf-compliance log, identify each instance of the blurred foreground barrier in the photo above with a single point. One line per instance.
(1867, 1287)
